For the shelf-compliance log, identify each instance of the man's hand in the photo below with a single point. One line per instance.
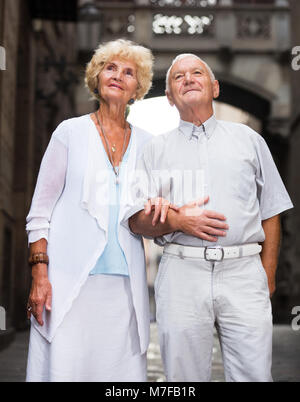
(205, 224)
(272, 285)
(190, 219)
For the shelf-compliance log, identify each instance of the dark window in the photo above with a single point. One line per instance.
(55, 10)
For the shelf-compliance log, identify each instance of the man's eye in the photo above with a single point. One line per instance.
(178, 76)
(198, 72)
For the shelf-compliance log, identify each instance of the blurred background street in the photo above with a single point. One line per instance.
(253, 47)
(286, 352)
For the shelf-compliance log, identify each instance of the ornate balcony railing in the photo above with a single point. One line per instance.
(183, 25)
(219, 23)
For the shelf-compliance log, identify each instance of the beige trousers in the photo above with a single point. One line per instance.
(193, 296)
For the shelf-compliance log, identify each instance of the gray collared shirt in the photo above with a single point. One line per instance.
(227, 161)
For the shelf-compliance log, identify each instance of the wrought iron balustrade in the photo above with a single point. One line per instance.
(154, 22)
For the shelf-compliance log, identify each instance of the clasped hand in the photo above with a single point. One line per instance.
(191, 218)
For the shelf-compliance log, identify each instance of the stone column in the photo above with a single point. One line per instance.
(9, 39)
(294, 161)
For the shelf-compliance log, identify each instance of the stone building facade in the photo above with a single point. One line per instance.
(294, 162)
(246, 42)
(36, 93)
(248, 45)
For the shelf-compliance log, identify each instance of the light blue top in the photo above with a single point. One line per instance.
(113, 261)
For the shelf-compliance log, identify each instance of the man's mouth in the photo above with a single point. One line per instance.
(191, 90)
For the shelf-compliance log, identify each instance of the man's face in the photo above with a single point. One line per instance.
(190, 84)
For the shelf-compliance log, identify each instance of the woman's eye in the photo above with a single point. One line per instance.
(129, 72)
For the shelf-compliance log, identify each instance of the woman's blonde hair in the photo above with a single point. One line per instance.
(122, 49)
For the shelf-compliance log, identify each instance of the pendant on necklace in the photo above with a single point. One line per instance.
(113, 148)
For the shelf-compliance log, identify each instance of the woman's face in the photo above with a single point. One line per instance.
(118, 81)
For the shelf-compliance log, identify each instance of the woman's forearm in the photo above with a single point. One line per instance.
(140, 223)
(189, 219)
(41, 269)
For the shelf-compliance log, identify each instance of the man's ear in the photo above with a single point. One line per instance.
(216, 89)
(169, 96)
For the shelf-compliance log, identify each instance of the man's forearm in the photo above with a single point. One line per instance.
(270, 247)
(140, 223)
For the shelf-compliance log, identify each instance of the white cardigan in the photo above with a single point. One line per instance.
(70, 209)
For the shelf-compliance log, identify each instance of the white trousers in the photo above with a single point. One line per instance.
(192, 296)
(97, 341)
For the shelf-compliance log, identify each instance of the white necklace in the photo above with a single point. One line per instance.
(116, 169)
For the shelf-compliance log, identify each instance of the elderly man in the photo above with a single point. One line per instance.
(226, 284)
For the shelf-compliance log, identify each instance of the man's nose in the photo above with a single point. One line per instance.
(188, 78)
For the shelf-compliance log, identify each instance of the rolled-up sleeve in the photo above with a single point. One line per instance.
(272, 195)
(49, 186)
(142, 186)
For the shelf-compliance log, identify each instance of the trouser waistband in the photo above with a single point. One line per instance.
(213, 253)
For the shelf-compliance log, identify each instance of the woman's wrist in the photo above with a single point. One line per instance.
(39, 270)
(38, 258)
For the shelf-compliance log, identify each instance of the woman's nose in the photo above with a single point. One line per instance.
(118, 75)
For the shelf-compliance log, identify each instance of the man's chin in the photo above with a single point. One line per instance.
(192, 96)
(193, 99)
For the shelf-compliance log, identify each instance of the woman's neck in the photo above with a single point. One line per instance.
(112, 115)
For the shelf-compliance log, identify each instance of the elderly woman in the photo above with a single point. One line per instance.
(89, 301)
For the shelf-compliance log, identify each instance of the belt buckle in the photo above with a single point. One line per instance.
(213, 248)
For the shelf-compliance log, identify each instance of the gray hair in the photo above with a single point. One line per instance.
(182, 56)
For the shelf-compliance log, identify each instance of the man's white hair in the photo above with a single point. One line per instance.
(182, 56)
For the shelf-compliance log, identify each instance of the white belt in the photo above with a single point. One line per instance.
(216, 253)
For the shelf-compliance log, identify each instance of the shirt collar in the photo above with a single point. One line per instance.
(191, 131)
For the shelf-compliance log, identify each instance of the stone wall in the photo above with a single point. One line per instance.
(294, 162)
(8, 88)
(36, 94)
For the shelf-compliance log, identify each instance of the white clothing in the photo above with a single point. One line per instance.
(230, 163)
(194, 295)
(70, 209)
(97, 341)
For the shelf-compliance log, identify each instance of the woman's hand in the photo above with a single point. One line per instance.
(40, 293)
(161, 208)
